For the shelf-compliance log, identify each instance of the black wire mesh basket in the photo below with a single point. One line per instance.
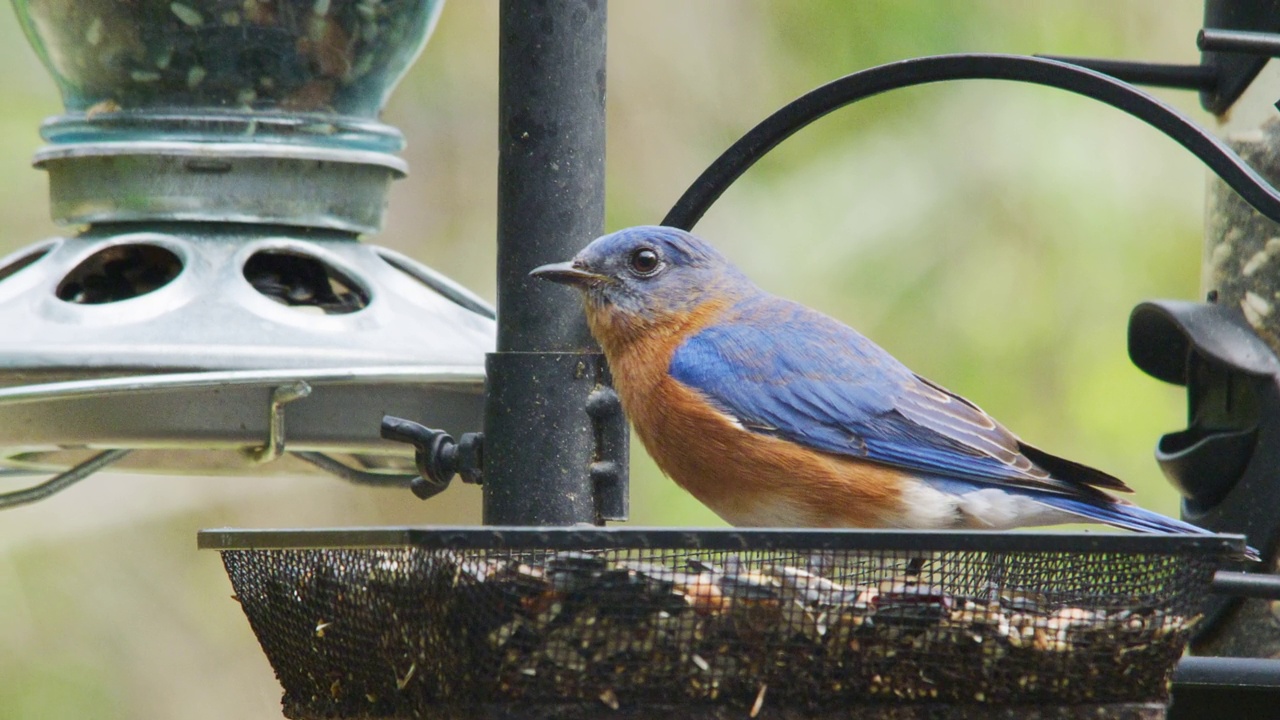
(446, 622)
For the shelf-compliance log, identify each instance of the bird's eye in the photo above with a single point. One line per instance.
(644, 262)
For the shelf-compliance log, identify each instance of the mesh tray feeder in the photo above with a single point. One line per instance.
(510, 622)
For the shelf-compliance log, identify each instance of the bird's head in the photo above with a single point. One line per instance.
(643, 277)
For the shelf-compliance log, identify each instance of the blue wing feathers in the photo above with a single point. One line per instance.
(790, 371)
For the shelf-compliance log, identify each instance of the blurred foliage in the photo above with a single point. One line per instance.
(992, 236)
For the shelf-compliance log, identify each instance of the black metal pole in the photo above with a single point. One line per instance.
(540, 442)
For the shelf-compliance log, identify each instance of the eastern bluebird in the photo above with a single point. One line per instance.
(772, 413)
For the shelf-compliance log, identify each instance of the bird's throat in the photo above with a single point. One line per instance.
(652, 339)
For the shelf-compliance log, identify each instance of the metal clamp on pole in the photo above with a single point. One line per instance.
(1238, 38)
(597, 432)
(609, 470)
(553, 412)
(438, 456)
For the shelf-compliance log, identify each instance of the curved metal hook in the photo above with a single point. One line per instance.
(849, 89)
(62, 480)
(354, 475)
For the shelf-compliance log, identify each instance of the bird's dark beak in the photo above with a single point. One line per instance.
(567, 274)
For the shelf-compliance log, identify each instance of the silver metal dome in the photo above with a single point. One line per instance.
(217, 312)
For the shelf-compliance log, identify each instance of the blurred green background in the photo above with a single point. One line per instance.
(993, 236)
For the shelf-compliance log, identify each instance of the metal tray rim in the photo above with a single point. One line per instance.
(571, 538)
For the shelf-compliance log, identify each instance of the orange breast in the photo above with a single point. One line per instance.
(745, 477)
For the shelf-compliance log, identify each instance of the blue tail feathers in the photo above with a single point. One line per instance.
(1130, 517)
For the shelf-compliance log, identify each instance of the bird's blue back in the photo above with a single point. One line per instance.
(783, 369)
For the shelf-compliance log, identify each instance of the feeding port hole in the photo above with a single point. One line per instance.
(304, 282)
(119, 272)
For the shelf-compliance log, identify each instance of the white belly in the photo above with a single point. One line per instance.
(928, 507)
